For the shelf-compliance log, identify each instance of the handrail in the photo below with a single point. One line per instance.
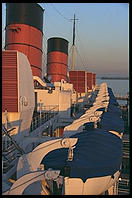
(6, 132)
(44, 116)
(50, 107)
(38, 79)
(123, 186)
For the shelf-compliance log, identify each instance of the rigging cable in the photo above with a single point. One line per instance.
(50, 20)
(80, 57)
(82, 46)
(60, 13)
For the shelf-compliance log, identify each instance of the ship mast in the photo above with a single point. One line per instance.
(73, 45)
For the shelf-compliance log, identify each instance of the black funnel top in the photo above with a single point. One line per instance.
(57, 44)
(25, 13)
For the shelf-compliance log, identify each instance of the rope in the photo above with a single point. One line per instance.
(60, 13)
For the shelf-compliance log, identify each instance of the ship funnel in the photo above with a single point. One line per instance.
(24, 32)
(57, 59)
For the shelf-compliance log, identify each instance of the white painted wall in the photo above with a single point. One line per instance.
(63, 85)
(25, 82)
(21, 120)
(65, 101)
(61, 96)
(25, 92)
(46, 98)
(92, 186)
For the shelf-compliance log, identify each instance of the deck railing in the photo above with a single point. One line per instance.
(124, 187)
(120, 97)
(46, 113)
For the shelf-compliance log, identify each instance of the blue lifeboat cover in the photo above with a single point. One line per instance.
(97, 153)
(112, 97)
(114, 109)
(111, 121)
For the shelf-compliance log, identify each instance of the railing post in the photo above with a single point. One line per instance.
(48, 112)
(40, 111)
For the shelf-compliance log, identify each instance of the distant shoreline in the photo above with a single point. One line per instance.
(114, 78)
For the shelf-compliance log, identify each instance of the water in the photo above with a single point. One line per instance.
(119, 87)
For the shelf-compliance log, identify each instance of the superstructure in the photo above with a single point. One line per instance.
(62, 134)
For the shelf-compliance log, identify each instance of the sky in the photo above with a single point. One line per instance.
(101, 35)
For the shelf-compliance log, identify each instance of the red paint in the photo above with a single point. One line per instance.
(73, 78)
(28, 40)
(81, 73)
(61, 131)
(57, 65)
(77, 78)
(89, 80)
(72, 73)
(57, 69)
(94, 79)
(9, 81)
(81, 78)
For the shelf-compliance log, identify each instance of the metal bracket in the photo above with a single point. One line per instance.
(51, 174)
(70, 153)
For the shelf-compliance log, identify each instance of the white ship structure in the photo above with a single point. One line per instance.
(55, 139)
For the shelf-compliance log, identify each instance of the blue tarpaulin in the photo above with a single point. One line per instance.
(111, 121)
(97, 153)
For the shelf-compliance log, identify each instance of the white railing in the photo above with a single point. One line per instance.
(50, 108)
(46, 113)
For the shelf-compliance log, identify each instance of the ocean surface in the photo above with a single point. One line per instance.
(119, 87)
